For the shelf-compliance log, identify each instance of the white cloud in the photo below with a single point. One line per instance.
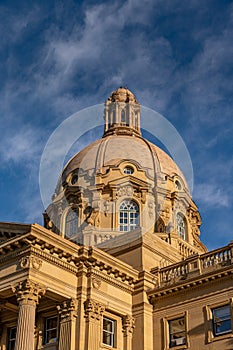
(212, 195)
(20, 145)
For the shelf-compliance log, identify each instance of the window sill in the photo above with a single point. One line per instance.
(105, 346)
(220, 337)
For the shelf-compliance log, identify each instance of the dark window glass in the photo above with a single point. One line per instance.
(109, 331)
(221, 320)
(71, 224)
(11, 338)
(177, 332)
(50, 334)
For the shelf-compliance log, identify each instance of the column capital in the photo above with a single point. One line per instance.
(68, 310)
(93, 310)
(128, 324)
(28, 292)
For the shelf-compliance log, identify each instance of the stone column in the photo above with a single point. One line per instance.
(93, 314)
(127, 328)
(68, 314)
(28, 294)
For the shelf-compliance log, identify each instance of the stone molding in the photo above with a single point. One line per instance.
(128, 325)
(28, 292)
(68, 310)
(93, 310)
(30, 262)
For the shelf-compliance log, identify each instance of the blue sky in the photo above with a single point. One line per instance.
(58, 57)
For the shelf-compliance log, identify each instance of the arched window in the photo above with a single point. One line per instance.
(71, 224)
(123, 116)
(128, 216)
(181, 226)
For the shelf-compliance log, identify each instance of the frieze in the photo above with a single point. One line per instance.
(30, 262)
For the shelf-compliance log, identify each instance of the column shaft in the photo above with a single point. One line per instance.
(25, 327)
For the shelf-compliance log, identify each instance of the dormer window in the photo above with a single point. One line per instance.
(128, 170)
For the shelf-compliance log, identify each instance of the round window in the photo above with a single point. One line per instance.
(128, 170)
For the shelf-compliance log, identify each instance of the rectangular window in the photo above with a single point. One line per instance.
(11, 338)
(177, 332)
(221, 317)
(50, 333)
(109, 329)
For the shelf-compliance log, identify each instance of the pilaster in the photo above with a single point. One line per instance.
(128, 325)
(68, 315)
(93, 314)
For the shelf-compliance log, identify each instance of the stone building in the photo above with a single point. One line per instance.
(119, 262)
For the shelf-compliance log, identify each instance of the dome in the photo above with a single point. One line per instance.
(113, 149)
(122, 95)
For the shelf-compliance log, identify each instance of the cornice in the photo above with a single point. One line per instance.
(189, 284)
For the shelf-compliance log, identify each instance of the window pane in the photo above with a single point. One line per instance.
(177, 332)
(50, 335)
(108, 331)
(130, 212)
(222, 320)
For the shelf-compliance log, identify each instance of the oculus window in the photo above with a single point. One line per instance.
(109, 329)
(221, 318)
(128, 216)
(128, 170)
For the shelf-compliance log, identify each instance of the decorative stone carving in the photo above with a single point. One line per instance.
(30, 262)
(68, 310)
(127, 190)
(28, 291)
(128, 324)
(28, 294)
(96, 283)
(93, 310)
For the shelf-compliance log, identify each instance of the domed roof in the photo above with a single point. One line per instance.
(110, 150)
(122, 95)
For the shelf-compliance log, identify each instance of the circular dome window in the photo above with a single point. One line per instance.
(74, 179)
(128, 170)
(178, 185)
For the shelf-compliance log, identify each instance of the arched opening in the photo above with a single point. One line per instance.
(128, 215)
(181, 226)
(71, 223)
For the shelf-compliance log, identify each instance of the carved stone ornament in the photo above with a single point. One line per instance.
(127, 190)
(128, 324)
(30, 262)
(93, 310)
(96, 283)
(68, 310)
(28, 292)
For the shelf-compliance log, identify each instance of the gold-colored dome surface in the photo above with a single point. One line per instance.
(122, 95)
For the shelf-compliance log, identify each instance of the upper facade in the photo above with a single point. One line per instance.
(121, 183)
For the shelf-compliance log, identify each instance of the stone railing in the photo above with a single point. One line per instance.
(193, 266)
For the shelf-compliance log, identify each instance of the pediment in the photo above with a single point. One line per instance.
(129, 181)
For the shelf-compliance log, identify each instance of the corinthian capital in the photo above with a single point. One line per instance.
(128, 324)
(93, 309)
(68, 310)
(28, 292)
